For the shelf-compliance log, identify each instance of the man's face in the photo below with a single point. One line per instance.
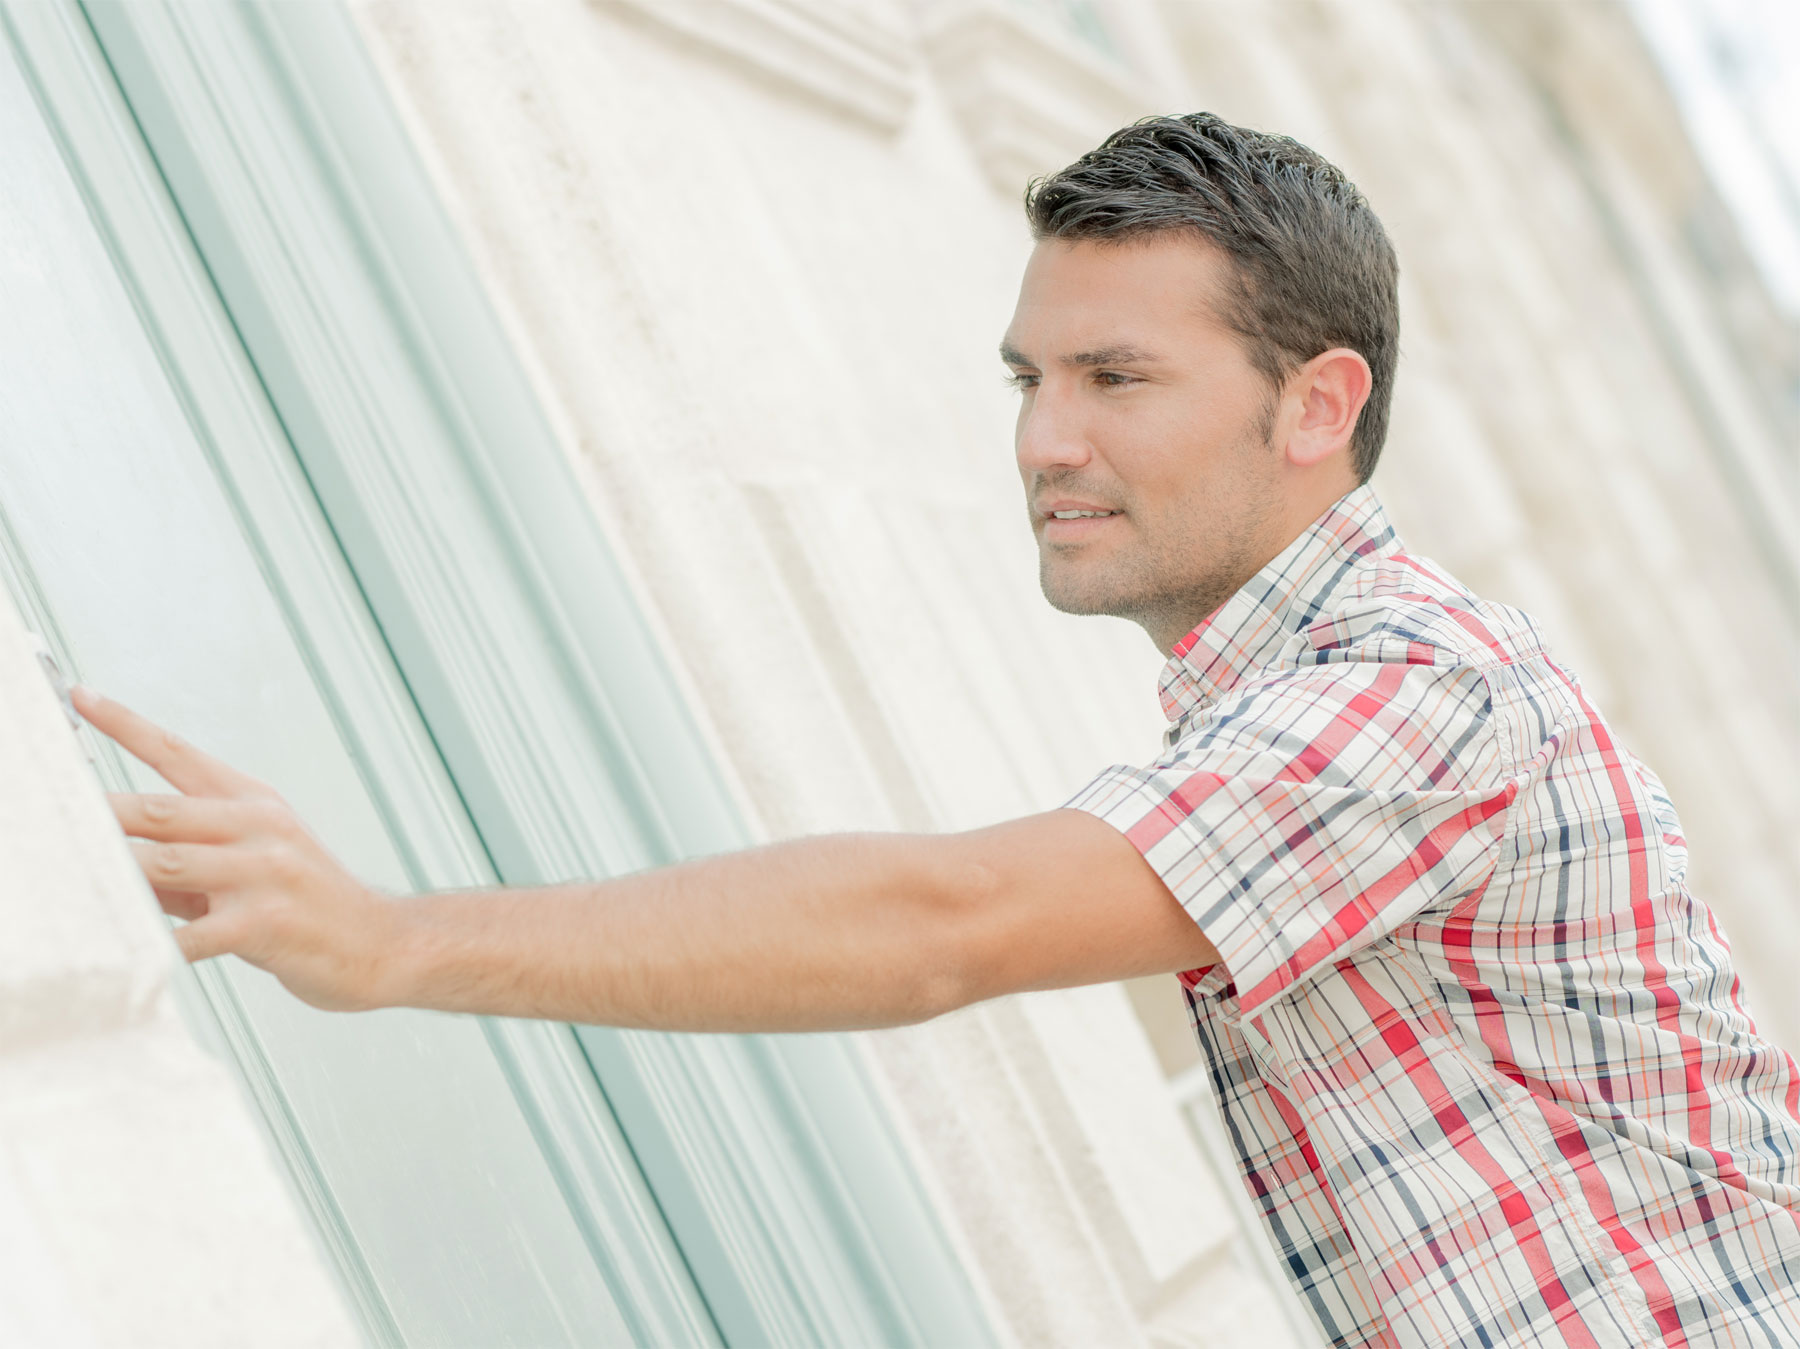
(1136, 400)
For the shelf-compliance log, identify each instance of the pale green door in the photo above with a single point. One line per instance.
(422, 1169)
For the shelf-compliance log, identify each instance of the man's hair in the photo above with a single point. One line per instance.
(1312, 267)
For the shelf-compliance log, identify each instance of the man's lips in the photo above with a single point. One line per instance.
(1079, 528)
(1069, 504)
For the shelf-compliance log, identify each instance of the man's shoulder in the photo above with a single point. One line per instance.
(1396, 652)
(1400, 607)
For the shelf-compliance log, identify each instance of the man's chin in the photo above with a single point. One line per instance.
(1084, 600)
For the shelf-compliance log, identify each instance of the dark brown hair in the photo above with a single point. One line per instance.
(1313, 268)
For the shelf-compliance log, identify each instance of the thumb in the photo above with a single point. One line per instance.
(214, 935)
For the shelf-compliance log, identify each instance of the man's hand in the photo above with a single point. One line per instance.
(230, 856)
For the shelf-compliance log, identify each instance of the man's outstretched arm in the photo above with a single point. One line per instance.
(841, 931)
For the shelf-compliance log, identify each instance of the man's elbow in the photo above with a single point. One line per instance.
(1054, 900)
(979, 926)
(952, 918)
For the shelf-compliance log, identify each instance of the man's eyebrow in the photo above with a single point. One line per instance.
(1120, 353)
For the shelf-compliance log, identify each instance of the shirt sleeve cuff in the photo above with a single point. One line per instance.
(1123, 797)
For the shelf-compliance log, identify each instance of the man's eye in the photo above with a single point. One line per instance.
(1113, 379)
(1018, 381)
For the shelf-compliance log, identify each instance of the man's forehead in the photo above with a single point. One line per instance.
(1085, 303)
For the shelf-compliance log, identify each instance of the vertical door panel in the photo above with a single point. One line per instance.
(449, 1226)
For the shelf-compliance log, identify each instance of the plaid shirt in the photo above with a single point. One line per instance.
(1481, 1053)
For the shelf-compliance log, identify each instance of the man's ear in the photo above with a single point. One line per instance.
(1330, 390)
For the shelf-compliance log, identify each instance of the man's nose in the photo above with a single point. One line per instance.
(1051, 433)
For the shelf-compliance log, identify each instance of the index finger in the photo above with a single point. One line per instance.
(183, 766)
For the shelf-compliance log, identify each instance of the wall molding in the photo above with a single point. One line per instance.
(1029, 96)
(858, 57)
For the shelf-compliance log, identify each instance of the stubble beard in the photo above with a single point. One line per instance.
(1169, 584)
(1156, 588)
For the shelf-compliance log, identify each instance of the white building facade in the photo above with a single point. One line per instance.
(550, 438)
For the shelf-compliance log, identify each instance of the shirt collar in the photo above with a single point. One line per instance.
(1247, 632)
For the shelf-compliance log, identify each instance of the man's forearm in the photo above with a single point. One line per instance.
(836, 932)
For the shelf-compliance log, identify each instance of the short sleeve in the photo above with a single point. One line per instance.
(1309, 814)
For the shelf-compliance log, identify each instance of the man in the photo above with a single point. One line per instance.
(1479, 1050)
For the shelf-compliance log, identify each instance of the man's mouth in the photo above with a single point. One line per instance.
(1077, 525)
